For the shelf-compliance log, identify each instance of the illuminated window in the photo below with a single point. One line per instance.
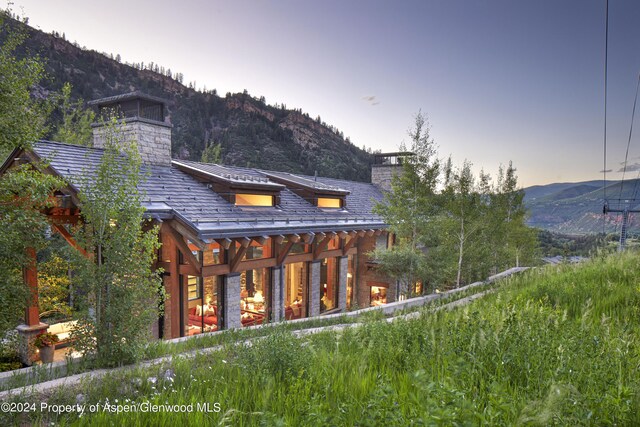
(378, 295)
(194, 288)
(254, 200)
(328, 202)
(329, 279)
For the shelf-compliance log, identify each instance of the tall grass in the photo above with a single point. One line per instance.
(557, 346)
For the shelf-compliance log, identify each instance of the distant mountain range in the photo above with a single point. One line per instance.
(252, 133)
(576, 208)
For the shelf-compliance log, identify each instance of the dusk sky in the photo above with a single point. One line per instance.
(499, 79)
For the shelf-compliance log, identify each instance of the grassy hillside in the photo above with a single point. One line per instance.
(558, 346)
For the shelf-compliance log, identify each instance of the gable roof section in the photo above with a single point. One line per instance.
(310, 184)
(172, 192)
(246, 179)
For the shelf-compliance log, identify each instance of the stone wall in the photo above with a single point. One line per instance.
(314, 288)
(342, 282)
(232, 301)
(153, 140)
(382, 175)
(277, 299)
(367, 273)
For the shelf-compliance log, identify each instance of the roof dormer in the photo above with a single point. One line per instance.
(317, 193)
(241, 189)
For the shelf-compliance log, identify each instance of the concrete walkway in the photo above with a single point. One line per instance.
(387, 309)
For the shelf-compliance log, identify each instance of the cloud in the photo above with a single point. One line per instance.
(630, 167)
(371, 100)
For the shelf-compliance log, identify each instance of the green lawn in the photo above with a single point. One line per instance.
(555, 346)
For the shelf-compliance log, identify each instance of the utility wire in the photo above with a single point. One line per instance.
(626, 156)
(606, 57)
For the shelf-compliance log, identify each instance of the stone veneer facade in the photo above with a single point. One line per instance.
(152, 138)
(382, 175)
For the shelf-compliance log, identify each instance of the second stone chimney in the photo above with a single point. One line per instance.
(143, 119)
(385, 167)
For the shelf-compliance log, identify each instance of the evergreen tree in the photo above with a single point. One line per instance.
(22, 117)
(212, 153)
(76, 121)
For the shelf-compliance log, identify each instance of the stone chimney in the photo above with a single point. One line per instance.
(143, 119)
(385, 167)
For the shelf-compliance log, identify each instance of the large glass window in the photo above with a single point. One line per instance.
(194, 290)
(296, 281)
(204, 310)
(329, 284)
(378, 295)
(351, 279)
(255, 296)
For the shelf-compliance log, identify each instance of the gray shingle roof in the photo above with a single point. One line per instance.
(169, 190)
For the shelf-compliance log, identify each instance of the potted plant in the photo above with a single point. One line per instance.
(46, 344)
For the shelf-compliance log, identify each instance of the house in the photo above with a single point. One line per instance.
(240, 246)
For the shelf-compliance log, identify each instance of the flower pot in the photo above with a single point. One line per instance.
(46, 354)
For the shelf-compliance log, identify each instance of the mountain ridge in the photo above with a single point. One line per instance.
(577, 208)
(251, 132)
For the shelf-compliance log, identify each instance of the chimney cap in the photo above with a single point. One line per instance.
(128, 97)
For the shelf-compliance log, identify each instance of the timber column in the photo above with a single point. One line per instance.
(32, 327)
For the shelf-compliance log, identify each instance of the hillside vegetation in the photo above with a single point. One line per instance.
(252, 133)
(557, 346)
(576, 208)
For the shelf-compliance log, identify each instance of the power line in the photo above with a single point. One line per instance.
(626, 156)
(606, 57)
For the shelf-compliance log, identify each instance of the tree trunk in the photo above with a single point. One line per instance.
(460, 253)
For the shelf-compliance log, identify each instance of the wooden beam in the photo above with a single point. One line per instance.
(284, 251)
(187, 233)
(182, 246)
(255, 264)
(225, 243)
(279, 239)
(165, 265)
(331, 253)
(307, 238)
(30, 272)
(70, 240)
(369, 233)
(378, 232)
(322, 245)
(188, 269)
(261, 240)
(348, 245)
(64, 219)
(361, 233)
(216, 270)
(342, 234)
(295, 238)
(244, 246)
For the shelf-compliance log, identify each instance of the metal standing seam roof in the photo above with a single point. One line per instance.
(171, 192)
